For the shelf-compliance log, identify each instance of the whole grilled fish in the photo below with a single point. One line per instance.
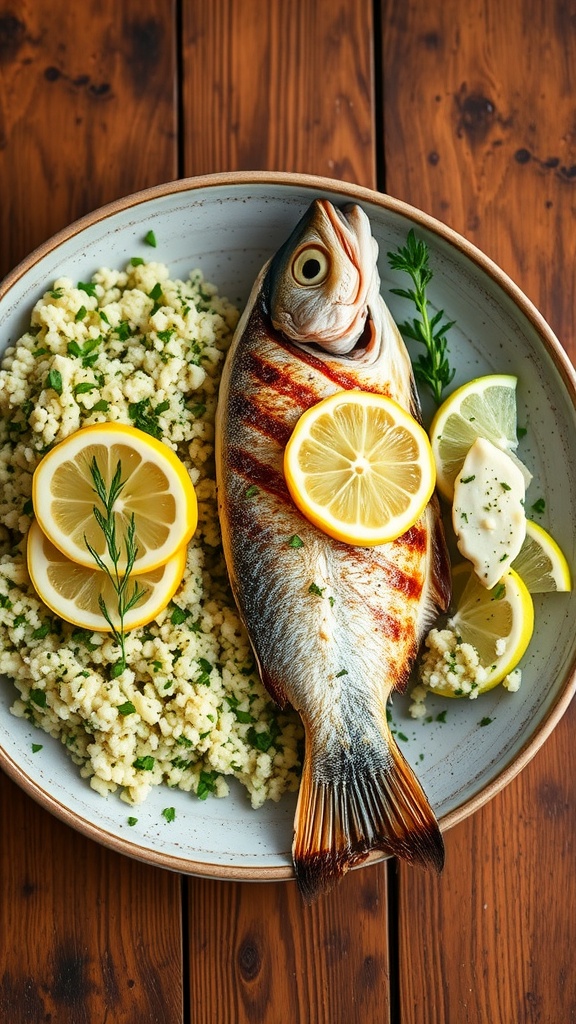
(335, 628)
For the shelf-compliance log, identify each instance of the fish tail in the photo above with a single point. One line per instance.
(339, 821)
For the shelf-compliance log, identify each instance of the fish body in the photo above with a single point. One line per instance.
(335, 628)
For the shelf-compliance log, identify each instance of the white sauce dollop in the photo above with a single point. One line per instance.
(488, 511)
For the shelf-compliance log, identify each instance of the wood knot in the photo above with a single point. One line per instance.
(249, 959)
(12, 34)
(477, 114)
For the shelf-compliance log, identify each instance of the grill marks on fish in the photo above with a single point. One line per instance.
(334, 628)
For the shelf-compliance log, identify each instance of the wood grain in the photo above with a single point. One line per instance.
(279, 86)
(87, 113)
(83, 931)
(259, 956)
(485, 140)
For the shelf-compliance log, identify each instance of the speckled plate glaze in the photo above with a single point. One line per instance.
(228, 225)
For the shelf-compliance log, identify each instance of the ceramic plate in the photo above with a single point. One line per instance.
(228, 225)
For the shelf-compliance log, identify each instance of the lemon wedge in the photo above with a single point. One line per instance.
(72, 591)
(156, 489)
(484, 407)
(498, 623)
(541, 563)
(359, 467)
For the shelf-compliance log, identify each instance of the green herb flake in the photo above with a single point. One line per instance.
(84, 388)
(178, 616)
(127, 708)
(87, 287)
(402, 737)
(468, 479)
(136, 261)
(38, 697)
(295, 541)
(207, 784)
(81, 313)
(150, 239)
(539, 506)
(251, 491)
(36, 747)
(342, 672)
(521, 432)
(505, 486)
(132, 821)
(316, 590)
(498, 592)
(486, 721)
(169, 813)
(441, 717)
(101, 406)
(41, 632)
(145, 764)
(156, 292)
(54, 381)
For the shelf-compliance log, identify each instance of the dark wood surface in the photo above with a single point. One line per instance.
(468, 112)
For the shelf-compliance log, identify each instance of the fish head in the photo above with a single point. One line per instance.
(318, 283)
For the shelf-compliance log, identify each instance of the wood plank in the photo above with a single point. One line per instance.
(85, 935)
(259, 956)
(85, 88)
(277, 86)
(284, 87)
(83, 931)
(486, 143)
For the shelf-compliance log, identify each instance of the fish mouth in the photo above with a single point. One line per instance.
(365, 348)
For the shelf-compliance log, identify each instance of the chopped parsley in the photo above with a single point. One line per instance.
(38, 697)
(81, 313)
(132, 821)
(251, 491)
(127, 708)
(316, 590)
(442, 716)
(486, 721)
(54, 381)
(539, 506)
(36, 747)
(144, 764)
(342, 672)
(87, 287)
(150, 239)
(468, 479)
(169, 813)
(295, 541)
(499, 591)
(207, 784)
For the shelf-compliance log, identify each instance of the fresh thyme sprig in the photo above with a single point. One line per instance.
(432, 368)
(120, 581)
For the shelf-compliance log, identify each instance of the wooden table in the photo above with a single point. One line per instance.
(467, 111)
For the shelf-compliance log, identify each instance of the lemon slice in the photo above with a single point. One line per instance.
(72, 591)
(484, 407)
(541, 563)
(359, 467)
(156, 489)
(499, 623)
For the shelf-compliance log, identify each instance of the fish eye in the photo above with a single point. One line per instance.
(311, 266)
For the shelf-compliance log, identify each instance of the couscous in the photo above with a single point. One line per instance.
(189, 710)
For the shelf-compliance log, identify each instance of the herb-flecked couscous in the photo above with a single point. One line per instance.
(189, 709)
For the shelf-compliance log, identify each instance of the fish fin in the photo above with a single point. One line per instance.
(338, 823)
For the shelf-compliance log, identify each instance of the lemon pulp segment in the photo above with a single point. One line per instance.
(359, 467)
(72, 591)
(156, 490)
(498, 623)
(484, 407)
(541, 562)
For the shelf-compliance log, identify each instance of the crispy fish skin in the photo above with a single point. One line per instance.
(335, 628)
